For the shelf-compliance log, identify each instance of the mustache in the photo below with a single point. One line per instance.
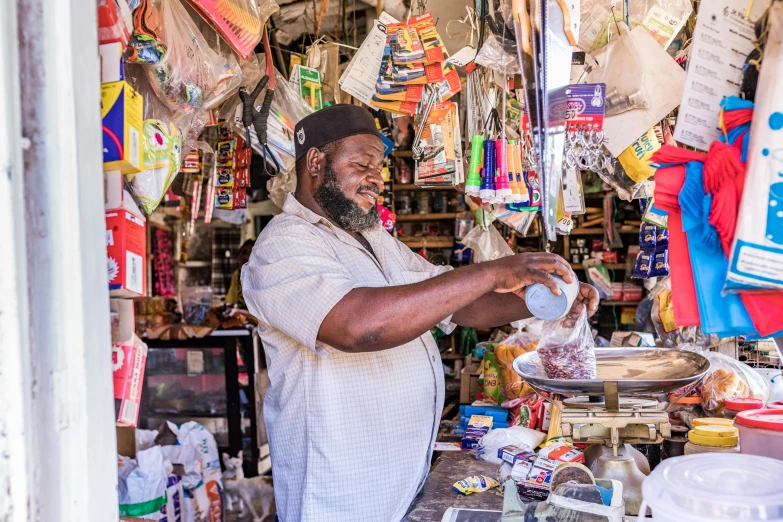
(370, 188)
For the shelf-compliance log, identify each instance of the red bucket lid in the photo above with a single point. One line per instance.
(744, 404)
(763, 419)
(775, 405)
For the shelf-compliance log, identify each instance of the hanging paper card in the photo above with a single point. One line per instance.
(721, 42)
(586, 106)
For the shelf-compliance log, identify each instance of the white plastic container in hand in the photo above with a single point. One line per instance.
(545, 305)
(714, 488)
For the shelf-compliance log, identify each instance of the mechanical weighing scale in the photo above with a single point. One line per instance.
(618, 407)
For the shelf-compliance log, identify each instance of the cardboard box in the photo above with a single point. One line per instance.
(514, 454)
(124, 326)
(632, 339)
(562, 453)
(116, 197)
(468, 383)
(541, 471)
(122, 111)
(126, 441)
(128, 362)
(112, 66)
(478, 426)
(126, 248)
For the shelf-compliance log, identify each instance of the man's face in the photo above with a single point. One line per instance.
(349, 187)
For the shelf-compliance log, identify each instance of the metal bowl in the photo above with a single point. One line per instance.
(635, 370)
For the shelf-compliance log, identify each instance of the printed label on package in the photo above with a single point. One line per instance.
(585, 106)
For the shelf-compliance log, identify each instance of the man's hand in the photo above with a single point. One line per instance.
(587, 298)
(519, 271)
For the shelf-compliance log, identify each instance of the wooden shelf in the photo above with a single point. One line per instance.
(598, 230)
(402, 153)
(428, 241)
(426, 217)
(620, 303)
(396, 187)
(610, 266)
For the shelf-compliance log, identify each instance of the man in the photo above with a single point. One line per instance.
(235, 295)
(345, 312)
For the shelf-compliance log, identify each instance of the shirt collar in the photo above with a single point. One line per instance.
(293, 207)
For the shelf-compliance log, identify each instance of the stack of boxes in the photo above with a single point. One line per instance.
(233, 170)
(122, 111)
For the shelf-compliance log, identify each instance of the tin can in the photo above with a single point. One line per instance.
(545, 305)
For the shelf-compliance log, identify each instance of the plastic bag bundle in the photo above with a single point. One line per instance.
(567, 352)
(620, 67)
(240, 22)
(487, 244)
(182, 68)
(729, 379)
(142, 485)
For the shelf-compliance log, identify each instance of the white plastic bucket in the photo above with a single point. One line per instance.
(714, 488)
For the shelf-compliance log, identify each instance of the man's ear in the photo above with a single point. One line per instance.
(315, 160)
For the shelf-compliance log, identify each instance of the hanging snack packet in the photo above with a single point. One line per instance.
(660, 263)
(648, 235)
(636, 158)
(567, 351)
(642, 267)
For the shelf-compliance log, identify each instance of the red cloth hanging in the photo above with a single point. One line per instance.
(668, 183)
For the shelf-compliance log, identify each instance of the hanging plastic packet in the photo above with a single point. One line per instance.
(181, 67)
(660, 264)
(621, 68)
(643, 264)
(636, 158)
(648, 236)
(566, 349)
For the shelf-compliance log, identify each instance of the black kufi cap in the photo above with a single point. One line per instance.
(332, 124)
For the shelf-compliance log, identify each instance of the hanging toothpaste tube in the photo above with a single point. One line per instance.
(473, 182)
(502, 186)
(487, 192)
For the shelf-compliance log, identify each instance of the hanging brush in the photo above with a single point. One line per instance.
(238, 21)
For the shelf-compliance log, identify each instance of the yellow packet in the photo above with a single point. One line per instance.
(474, 484)
(636, 158)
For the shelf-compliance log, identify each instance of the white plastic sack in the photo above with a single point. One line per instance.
(490, 443)
(145, 439)
(194, 434)
(142, 489)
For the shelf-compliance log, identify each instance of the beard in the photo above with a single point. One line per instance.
(341, 209)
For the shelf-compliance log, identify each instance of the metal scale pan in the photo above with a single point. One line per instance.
(634, 371)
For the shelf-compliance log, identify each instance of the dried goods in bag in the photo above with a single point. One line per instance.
(567, 349)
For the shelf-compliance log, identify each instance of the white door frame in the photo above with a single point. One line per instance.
(57, 437)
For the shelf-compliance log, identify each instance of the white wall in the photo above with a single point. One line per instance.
(58, 458)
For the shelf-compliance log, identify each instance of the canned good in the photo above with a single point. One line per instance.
(403, 200)
(462, 227)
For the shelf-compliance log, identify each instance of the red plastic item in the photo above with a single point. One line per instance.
(743, 404)
(112, 27)
(778, 405)
(668, 182)
(762, 419)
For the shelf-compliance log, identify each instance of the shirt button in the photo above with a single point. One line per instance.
(433, 358)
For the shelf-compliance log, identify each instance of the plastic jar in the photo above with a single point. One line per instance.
(761, 432)
(734, 406)
(707, 488)
(778, 405)
(712, 439)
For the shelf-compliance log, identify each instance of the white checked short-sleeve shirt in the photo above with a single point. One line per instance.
(350, 434)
